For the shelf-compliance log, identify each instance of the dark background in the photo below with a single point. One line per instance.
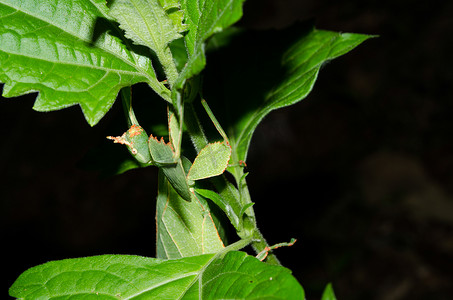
(361, 172)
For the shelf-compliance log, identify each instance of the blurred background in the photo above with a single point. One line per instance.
(361, 172)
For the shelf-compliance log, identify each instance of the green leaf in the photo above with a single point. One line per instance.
(211, 161)
(299, 69)
(110, 277)
(146, 23)
(264, 71)
(174, 131)
(328, 293)
(171, 7)
(71, 53)
(235, 276)
(183, 228)
(163, 157)
(225, 206)
(204, 18)
(240, 276)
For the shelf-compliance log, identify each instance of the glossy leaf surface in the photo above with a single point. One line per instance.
(240, 276)
(235, 276)
(71, 53)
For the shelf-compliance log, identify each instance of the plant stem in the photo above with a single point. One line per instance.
(169, 65)
(251, 232)
(259, 244)
(194, 128)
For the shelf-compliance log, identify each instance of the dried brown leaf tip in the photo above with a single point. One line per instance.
(162, 141)
(135, 130)
(154, 138)
(122, 140)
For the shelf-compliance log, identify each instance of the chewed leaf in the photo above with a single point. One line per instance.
(211, 161)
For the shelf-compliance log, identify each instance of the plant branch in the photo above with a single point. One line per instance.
(250, 230)
(194, 128)
(169, 65)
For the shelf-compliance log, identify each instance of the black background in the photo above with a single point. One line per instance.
(361, 172)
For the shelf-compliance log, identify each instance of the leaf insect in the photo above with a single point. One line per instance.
(211, 161)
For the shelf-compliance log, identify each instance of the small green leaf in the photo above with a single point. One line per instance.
(224, 206)
(209, 276)
(183, 228)
(71, 53)
(328, 293)
(211, 161)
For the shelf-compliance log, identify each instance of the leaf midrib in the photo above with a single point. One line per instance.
(162, 283)
(75, 64)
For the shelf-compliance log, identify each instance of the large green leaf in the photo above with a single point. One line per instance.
(109, 277)
(183, 228)
(235, 276)
(71, 53)
(264, 71)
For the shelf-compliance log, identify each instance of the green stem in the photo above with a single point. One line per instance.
(236, 246)
(259, 244)
(169, 65)
(194, 128)
(126, 95)
(251, 232)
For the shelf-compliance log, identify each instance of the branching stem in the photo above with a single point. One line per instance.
(251, 233)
